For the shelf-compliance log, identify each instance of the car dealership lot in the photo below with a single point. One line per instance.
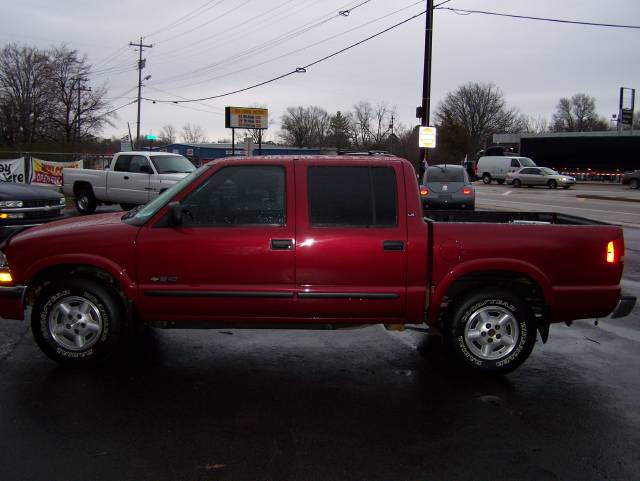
(322, 405)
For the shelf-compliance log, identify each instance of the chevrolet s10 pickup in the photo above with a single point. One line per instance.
(310, 242)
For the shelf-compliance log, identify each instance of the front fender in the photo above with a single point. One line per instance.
(119, 273)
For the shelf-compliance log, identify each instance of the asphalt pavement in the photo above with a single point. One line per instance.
(331, 405)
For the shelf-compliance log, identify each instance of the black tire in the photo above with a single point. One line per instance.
(58, 315)
(500, 181)
(486, 178)
(552, 184)
(634, 183)
(477, 313)
(127, 207)
(516, 183)
(85, 201)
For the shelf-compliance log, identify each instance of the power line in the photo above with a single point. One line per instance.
(197, 27)
(184, 18)
(292, 52)
(542, 19)
(274, 41)
(118, 108)
(302, 69)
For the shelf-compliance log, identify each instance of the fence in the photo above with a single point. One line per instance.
(90, 161)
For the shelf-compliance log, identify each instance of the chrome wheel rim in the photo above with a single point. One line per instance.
(83, 202)
(75, 323)
(491, 333)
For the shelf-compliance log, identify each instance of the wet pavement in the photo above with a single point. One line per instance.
(322, 405)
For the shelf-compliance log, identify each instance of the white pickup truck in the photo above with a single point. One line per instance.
(133, 178)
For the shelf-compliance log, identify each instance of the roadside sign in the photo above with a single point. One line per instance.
(246, 118)
(427, 138)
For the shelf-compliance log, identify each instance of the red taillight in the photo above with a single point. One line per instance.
(611, 253)
(424, 191)
(466, 191)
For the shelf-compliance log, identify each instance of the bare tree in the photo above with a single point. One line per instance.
(193, 134)
(45, 96)
(578, 114)
(24, 93)
(469, 116)
(305, 126)
(168, 134)
(536, 125)
(360, 121)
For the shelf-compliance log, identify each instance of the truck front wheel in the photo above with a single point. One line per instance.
(85, 202)
(78, 321)
(490, 331)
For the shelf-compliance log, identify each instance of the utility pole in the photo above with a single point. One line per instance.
(392, 133)
(80, 89)
(426, 79)
(141, 64)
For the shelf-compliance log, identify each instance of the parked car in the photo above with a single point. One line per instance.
(447, 187)
(133, 178)
(23, 206)
(532, 176)
(632, 179)
(496, 167)
(316, 242)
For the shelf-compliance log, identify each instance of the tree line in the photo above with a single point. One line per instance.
(46, 98)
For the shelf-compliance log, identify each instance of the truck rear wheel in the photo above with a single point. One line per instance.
(78, 321)
(490, 331)
(85, 201)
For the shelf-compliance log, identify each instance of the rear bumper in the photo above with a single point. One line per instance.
(11, 298)
(624, 307)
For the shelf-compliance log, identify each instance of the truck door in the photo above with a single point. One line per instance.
(232, 259)
(129, 182)
(351, 248)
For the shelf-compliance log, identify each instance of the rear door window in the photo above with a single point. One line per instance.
(442, 174)
(352, 196)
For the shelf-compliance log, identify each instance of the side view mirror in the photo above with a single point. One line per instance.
(145, 169)
(175, 214)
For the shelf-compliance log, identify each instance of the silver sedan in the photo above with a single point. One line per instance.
(531, 176)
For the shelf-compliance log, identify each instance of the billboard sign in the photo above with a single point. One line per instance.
(627, 105)
(246, 118)
(44, 172)
(12, 170)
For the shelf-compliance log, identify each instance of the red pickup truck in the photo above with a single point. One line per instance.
(322, 242)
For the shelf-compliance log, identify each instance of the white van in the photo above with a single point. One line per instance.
(496, 167)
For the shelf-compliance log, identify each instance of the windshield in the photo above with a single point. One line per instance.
(548, 171)
(526, 162)
(142, 213)
(441, 173)
(172, 164)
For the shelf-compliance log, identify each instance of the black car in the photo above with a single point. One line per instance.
(447, 187)
(23, 206)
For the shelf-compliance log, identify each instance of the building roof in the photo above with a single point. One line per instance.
(515, 138)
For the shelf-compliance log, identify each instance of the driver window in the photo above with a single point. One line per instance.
(238, 196)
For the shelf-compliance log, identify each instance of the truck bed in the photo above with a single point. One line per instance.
(504, 217)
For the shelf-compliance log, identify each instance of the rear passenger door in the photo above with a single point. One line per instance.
(351, 241)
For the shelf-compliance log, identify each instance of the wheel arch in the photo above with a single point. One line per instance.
(97, 267)
(525, 280)
(79, 185)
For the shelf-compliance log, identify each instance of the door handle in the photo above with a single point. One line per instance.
(281, 244)
(126, 177)
(391, 245)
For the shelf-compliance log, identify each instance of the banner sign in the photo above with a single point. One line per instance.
(12, 170)
(45, 172)
(246, 118)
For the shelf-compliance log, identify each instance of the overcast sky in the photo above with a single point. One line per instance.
(219, 48)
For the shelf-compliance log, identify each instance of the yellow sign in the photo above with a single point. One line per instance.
(45, 172)
(427, 138)
(246, 118)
